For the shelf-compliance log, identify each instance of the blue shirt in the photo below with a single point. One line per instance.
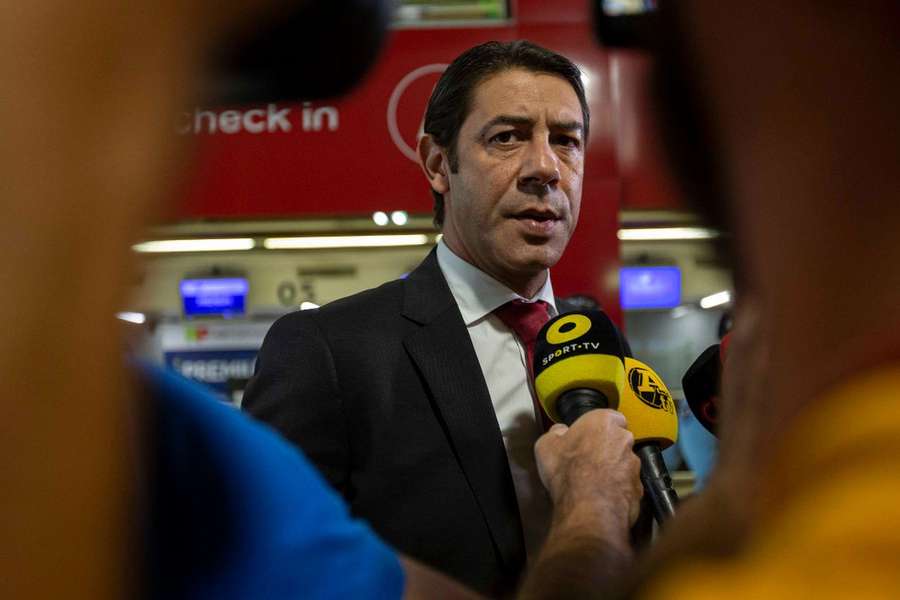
(236, 512)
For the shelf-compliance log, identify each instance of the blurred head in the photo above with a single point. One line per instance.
(88, 157)
(503, 150)
(780, 119)
(760, 98)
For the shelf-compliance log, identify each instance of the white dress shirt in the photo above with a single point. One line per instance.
(503, 362)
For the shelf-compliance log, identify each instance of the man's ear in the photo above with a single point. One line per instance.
(433, 160)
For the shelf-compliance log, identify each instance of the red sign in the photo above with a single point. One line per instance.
(356, 155)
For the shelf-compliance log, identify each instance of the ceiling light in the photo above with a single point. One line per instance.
(308, 305)
(380, 218)
(132, 317)
(717, 299)
(344, 241)
(196, 245)
(586, 77)
(399, 217)
(666, 233)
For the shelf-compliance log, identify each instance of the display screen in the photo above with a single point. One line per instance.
(413, 13)
(650, 287)
(219, 296)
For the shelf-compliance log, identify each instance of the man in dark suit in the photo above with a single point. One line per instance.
(413, 399)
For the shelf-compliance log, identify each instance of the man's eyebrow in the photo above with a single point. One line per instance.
(567, 126)
(505, 120)
(528, 122)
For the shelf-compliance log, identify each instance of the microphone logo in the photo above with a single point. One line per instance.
(651, 392)
(568, 328)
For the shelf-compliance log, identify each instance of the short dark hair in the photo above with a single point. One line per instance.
(451, 99)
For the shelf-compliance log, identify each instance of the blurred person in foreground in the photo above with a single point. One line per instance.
(784, 124)
(125, 482)
(414, 398)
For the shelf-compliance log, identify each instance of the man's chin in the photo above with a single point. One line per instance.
(545, 252)
(535, 261)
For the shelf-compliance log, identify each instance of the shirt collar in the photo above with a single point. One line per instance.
(476, 293)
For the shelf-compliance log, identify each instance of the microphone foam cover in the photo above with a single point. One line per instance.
(701, 385)
(724, 343)
(648, 405)
(578, 350)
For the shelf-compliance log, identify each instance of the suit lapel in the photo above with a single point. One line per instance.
(443, 352)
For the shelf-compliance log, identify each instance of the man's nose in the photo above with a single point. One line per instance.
(540, 166)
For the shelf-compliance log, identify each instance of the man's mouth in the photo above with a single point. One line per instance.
(540, 216)
(537, 222)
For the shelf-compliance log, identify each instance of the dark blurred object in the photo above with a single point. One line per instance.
(305, 50)
(656, 28)
(725, 324)
(586, 302)
(625, 23)
(701, 384)
(578, 302)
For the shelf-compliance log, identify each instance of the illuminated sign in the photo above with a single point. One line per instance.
(219, 296)
(650, 287)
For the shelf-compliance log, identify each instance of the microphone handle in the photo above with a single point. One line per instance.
(574, 403)
(654, 474)
(656, 480)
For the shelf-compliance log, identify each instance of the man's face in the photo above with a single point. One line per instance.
(514, 199)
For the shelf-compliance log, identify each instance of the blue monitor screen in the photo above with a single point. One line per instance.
(650, 287)
(220, 296)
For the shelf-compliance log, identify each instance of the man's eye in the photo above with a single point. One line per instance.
(504, 137)
(567, 140)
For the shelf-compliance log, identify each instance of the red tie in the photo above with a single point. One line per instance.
(525, 319)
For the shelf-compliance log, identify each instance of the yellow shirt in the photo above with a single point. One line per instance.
(836, 532)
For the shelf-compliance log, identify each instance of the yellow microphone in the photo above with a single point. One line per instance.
(578, 365)
(650, 412)
(648, 406)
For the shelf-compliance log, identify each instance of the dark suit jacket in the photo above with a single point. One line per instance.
(384, 393)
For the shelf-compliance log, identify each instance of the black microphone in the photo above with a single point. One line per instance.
(702, 384)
